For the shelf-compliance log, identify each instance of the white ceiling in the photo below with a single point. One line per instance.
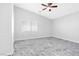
(62, 9)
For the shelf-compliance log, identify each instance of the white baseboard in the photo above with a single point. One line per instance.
(34, 37)
(68, 39)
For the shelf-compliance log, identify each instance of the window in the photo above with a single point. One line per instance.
(30, 26)
(34, 26)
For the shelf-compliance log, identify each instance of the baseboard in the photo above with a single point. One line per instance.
(35, 37)
(67, 39)
(6, 54)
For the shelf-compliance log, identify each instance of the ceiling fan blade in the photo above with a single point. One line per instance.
(50, 4)
(49, 9)
(44, 9)
(44, 5)
(54, 6)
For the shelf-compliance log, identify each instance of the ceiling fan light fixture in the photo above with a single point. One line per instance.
(49, 5)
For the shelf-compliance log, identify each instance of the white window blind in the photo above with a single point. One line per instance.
(30, 26)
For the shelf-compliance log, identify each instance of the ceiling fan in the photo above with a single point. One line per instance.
(49, 5)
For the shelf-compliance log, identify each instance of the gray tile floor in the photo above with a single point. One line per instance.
(49, 46)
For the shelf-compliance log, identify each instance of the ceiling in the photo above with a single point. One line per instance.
(62, 9)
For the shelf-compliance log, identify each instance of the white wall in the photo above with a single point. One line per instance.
(5, 29)
(22, 16)
(67, 27)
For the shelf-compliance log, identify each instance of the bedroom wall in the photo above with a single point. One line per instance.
(6, 43)
(67, 27)
(23, 17)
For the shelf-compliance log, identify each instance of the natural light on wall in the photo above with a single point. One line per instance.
(30, 26)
